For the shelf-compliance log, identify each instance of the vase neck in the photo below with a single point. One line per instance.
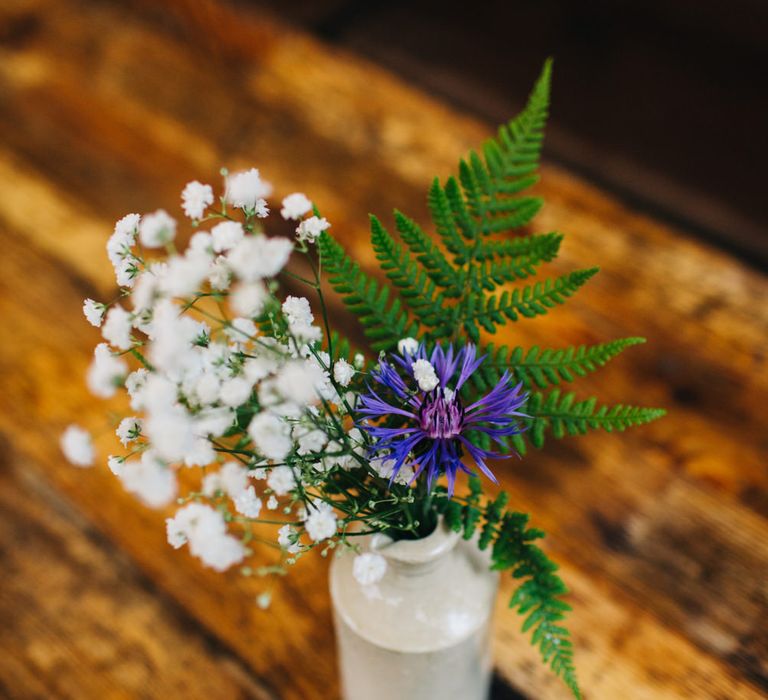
(417, 558)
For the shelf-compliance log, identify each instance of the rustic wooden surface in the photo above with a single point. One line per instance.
(110, 107)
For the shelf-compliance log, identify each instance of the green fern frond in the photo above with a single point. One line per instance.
(540, 591)
(561, 415)
(542, 247)
(509, 269)
(520, 140)
(412, 282)
(539, 597)
(532, 300)
(543, 368)
(445, 289)
(440, 271)
(506, 168)
(383, 322)
(449, 212)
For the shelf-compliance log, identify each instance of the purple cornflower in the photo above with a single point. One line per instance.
(435, 424)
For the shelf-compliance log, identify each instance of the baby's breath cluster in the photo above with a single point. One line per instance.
(239, 408)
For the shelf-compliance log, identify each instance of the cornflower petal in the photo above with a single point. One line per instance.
(432, 427)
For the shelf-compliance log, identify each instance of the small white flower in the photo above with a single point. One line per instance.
(231, 478)
(306, 334)
(134, 383)
(424, 374)
(177, 537)
(173, 336)
(94, 312)
(343, 372)
(235, 391)
(126, 272)
(241, 330)
(369, 568)
(183, 274)
(77, 446)
(128, 226)
(246, 188)
(359, 361)
(247, 503)
(106, 372)
(204, 529)
(226, 552)
(321, 522)
(257, 257)
(271, 436)
(227, 235)
(145, 290)
(300, 381)
(122, 239)
(115, 464)
(281, 480)
(295, 206)
(287, 539)
(170, 431)
(272, 503)
(150, 479)
(220, 553)
(258, 368)
(297, 311)
(199, 453)
(201, 242)
(195, 198)
(384, 466)
(248, 299)
(159, 394)
(214, 422)
(117, 328)
(309, 440)
(207, 388)
(310, 229)
(128, 430)
(155, 230)
(219, 274)
(408, 346)
(337, 457)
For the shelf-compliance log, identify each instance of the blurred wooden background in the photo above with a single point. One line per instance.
(663, 103)
(109, 107)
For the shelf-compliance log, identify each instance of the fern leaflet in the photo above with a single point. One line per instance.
(563, 415)
(383, 322)
(543, 368)
(540, 591)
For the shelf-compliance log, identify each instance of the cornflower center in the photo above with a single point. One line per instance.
(441, 417)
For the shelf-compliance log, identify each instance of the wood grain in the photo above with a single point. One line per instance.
(79, 620)
(107, 108)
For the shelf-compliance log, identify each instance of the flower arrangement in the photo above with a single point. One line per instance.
(287, 437)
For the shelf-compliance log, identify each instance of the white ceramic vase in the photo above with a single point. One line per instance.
(423, 631)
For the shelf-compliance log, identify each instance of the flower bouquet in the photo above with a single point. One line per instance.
(288, 437)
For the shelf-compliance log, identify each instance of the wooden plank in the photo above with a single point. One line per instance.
(357, 140)
(80, 621)
(623, 119)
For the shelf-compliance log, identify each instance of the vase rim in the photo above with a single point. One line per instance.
(422, 551)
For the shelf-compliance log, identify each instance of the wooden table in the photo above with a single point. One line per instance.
(662, 532)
